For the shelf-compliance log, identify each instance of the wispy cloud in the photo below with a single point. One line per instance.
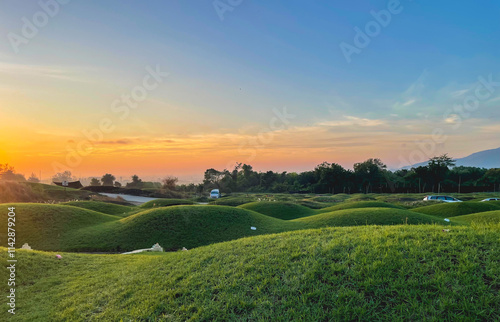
(53, 72)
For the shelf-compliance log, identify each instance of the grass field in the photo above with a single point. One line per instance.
(166, 202)
(280, 210)
(479, 218)
(78, 229)
(457, 208)
(104, 207)
(349, 273)
(367, 216)
(349, 260)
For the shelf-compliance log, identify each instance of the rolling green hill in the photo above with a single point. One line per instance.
(359, 204)
(456, 208)
(280, 210)
(479, 218)
(165, 203)
(104, 207)
(49, 227)
(390, 273)
(367, 216)
(232, 201)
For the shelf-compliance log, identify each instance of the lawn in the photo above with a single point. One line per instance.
(389, 273)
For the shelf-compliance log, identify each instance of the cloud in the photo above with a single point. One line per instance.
(452, 119)
(60, 73)
(407, 103)
(352, 121)
(116, 142)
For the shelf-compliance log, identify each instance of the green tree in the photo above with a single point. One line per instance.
(63, 176)
(439, 169)
(369, 173)
(95, 182)
(170, 182)
(108, 179)
(33, 178)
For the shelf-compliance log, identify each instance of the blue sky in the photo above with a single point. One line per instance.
(226, 76)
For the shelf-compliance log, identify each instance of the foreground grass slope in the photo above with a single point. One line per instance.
(104, 207)
(457, 208)
(352, 273)
(280, 210)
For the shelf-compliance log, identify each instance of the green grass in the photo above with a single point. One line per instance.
(231, 201)
(68, 228)
(359, 204)
(165, 203)
(185, 226)
(453, 209)
(367, 216)
(280, 210)
(104, 207)
(374, 273)
(49, 227)
(479, 218)
(38, 192)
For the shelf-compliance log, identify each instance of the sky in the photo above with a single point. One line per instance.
(162, 88)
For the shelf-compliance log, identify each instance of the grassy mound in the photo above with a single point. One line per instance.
(165, 203)
(179, 226)
(36, 192)
(359, 204)
(280, 210)
(231, 201)
(479, 218)
(45, 226)
(367, 216)
(457, 208)
(357, 273)
(104, 207)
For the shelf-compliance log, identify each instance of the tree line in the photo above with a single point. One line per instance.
(439, 175)
(371, 176)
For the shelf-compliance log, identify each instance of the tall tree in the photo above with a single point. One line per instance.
(108, 179)
(170, 182)
(439, 168)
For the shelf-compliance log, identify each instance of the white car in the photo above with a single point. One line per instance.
(442, 198)
(491, 199)
(215, 193)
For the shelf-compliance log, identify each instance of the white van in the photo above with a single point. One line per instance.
(215, 193)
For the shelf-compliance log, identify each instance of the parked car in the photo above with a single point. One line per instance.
(491, 199)
(215, 193)
(442, 198)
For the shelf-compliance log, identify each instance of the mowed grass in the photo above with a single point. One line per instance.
(367, 216)
(231, 201)
(453, 209)
(165, 203)
(183, 226)
(280, 210)
(104, 207)
(367, 273)
(359, 204)
(69, 228)
(47, 226)
(479, 218)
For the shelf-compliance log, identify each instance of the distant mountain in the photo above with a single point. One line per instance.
(483, 159)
